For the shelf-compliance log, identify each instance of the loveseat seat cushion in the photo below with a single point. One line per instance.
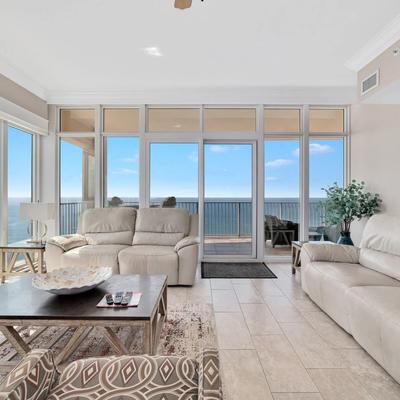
(113, 225)
(32, 378)
(91, 255)
(153, 378)
(328, 284)
(161, 226)
(142, 259)
(375, 323)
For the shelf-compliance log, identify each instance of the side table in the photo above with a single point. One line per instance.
(24, 248)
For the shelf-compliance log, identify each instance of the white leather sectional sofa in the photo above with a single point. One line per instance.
(360, 288)
(144, 241)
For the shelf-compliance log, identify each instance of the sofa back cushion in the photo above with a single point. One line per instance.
(380, 245)
(161, 226)
(113, 225)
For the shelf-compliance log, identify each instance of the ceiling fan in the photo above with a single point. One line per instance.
(183, 4)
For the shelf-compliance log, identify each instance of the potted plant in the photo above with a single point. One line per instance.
(344, 205)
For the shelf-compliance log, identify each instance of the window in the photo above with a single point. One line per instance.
(77, 120)
(281, 120)
(76, 180)
(326, 120)
(121, 171)
(121, 120)
(173, 120)
(19, 181)
(174, 173)
(282, 195)
(229, 120)
(326, 168)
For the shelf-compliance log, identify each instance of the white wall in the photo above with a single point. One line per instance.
(375, 154)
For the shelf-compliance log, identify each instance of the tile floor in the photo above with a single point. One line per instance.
(275, 343)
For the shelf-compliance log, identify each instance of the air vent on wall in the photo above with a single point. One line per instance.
(370, 82)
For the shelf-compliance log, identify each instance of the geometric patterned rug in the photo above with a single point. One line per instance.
(188, 329)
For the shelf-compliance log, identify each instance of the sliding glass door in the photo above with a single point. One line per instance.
(229, 201)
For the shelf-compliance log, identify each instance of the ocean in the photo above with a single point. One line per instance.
(223, 216)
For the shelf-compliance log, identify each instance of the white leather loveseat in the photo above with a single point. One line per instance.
(360, 288)
(144, 241)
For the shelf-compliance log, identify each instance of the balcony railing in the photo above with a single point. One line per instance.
(222, 218)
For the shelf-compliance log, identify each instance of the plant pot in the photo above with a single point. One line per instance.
(345, 239)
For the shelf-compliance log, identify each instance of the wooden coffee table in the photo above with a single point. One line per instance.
(24, 305)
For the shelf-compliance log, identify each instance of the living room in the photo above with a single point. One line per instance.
(199, 199)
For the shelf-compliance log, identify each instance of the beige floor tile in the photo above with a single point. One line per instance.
(240, 281)
(291, 288)
(283, 310)
(243, 376)
(283, 369)
(177, 295)
(221, 284)
(267, 287)
(332, 333)
(232, 331)
(305, 305)
(372, 376)
(200, 293)
(335, 384)
(225, 301)
(313, 351)
(297, 396)
(259, 319)
(247, 294)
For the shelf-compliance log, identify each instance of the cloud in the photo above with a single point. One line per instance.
(216, 148)
(271, 178)
(279, 162)
(193, 156)
(124, 171)
(316, 148)
(130, 160)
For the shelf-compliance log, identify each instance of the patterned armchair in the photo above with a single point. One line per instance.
(147, 377)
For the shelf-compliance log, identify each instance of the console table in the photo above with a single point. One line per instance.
(26, 249)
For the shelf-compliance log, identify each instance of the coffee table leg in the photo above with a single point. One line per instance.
(147, 338)
(15, 339)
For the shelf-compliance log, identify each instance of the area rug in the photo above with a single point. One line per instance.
(255, 270)
(188, 329)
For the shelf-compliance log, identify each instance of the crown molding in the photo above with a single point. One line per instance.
(377, 45)
(238, 95)
(22, 79)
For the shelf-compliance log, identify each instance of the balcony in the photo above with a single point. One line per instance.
(228, 223)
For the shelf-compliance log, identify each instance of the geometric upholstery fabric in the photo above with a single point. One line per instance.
(141, 377)
(32, 378)
(209, 376)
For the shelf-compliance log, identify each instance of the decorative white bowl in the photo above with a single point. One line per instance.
(71, 280)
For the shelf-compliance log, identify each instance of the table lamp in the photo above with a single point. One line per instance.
(37, 212)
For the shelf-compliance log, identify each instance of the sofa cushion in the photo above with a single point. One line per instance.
(90, 255)
(148, 260)
(375, 323)
(328, 285)
(133, 377)
(113, 225)
(32, 378)
(161, 226)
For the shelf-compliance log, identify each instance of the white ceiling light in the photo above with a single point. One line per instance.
(153, 51)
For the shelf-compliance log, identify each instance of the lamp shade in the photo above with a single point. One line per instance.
(37, 211)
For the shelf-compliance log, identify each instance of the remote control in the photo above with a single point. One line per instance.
(109, 299)
(118, 298)
(126, 299)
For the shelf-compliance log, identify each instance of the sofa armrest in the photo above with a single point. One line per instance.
(329, 252)
(32, 378)
(68, 242)
(187, 241)
(209, 376)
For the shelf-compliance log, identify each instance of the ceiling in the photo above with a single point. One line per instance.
(98, 45)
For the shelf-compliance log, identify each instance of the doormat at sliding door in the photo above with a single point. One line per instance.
(250, 270)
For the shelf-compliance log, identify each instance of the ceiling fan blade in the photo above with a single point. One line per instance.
(183, 4)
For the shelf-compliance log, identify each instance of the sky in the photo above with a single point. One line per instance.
(174, 168)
